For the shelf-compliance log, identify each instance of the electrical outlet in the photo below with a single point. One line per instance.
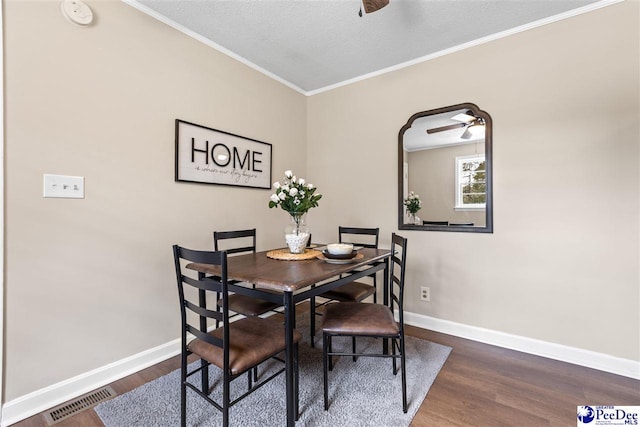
(425, 294)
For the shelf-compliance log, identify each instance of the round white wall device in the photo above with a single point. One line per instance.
(77, 12)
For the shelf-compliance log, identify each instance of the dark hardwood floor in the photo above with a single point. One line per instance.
(484, 385)
(479, 385)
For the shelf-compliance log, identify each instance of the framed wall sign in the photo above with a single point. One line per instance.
(212, 156)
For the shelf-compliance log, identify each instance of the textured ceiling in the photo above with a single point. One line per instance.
(312, 45)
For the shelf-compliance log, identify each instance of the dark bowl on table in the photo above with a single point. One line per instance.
(340, 256)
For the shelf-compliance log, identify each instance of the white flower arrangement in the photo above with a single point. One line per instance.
(294, 195)
(413, 203)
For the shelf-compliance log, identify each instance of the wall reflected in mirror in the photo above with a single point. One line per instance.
(445, 159)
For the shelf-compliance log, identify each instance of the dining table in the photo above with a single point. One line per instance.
(295, 281)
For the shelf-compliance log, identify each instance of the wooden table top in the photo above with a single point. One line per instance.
(287, 276)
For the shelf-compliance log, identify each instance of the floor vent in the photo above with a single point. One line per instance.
(79, 404)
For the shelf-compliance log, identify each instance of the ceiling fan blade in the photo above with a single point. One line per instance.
(466, 134)
(448, 127)
(464, 117)
(373, 5)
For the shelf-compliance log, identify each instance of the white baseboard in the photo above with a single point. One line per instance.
(55, 394)
(576, 356)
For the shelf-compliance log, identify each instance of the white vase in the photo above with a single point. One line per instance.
(296, 234)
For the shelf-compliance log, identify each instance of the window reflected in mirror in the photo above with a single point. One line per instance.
(445, 161)
(471, 183)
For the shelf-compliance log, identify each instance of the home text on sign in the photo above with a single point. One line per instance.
(250, 158)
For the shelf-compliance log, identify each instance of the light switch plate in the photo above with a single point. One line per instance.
(63, 186)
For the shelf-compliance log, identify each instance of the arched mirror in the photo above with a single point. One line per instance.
(445, 171)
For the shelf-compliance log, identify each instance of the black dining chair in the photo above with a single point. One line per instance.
(235, 347)
(242, 242)
(371, 320)
(352, 291)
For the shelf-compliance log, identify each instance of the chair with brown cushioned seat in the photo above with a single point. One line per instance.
(352, 291)
(235, 348)
(354, 319)
(242, 304)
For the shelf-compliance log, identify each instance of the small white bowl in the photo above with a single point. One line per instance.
(340, 248)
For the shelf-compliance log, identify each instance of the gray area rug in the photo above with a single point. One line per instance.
(364, 393)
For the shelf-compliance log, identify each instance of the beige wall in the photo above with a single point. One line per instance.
(562, 263)
(89, 282)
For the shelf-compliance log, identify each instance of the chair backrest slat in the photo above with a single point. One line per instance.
(395, 299)
(201, 311)
(204, 257)
(204, 284)
(220, 236)
(396, 280)
(240, 250)
(205, 337)
(374, 234)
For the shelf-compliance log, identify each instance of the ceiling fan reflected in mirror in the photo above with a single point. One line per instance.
(372, 6)
(473, 126)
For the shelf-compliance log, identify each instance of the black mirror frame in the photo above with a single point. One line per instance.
(488, 228)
